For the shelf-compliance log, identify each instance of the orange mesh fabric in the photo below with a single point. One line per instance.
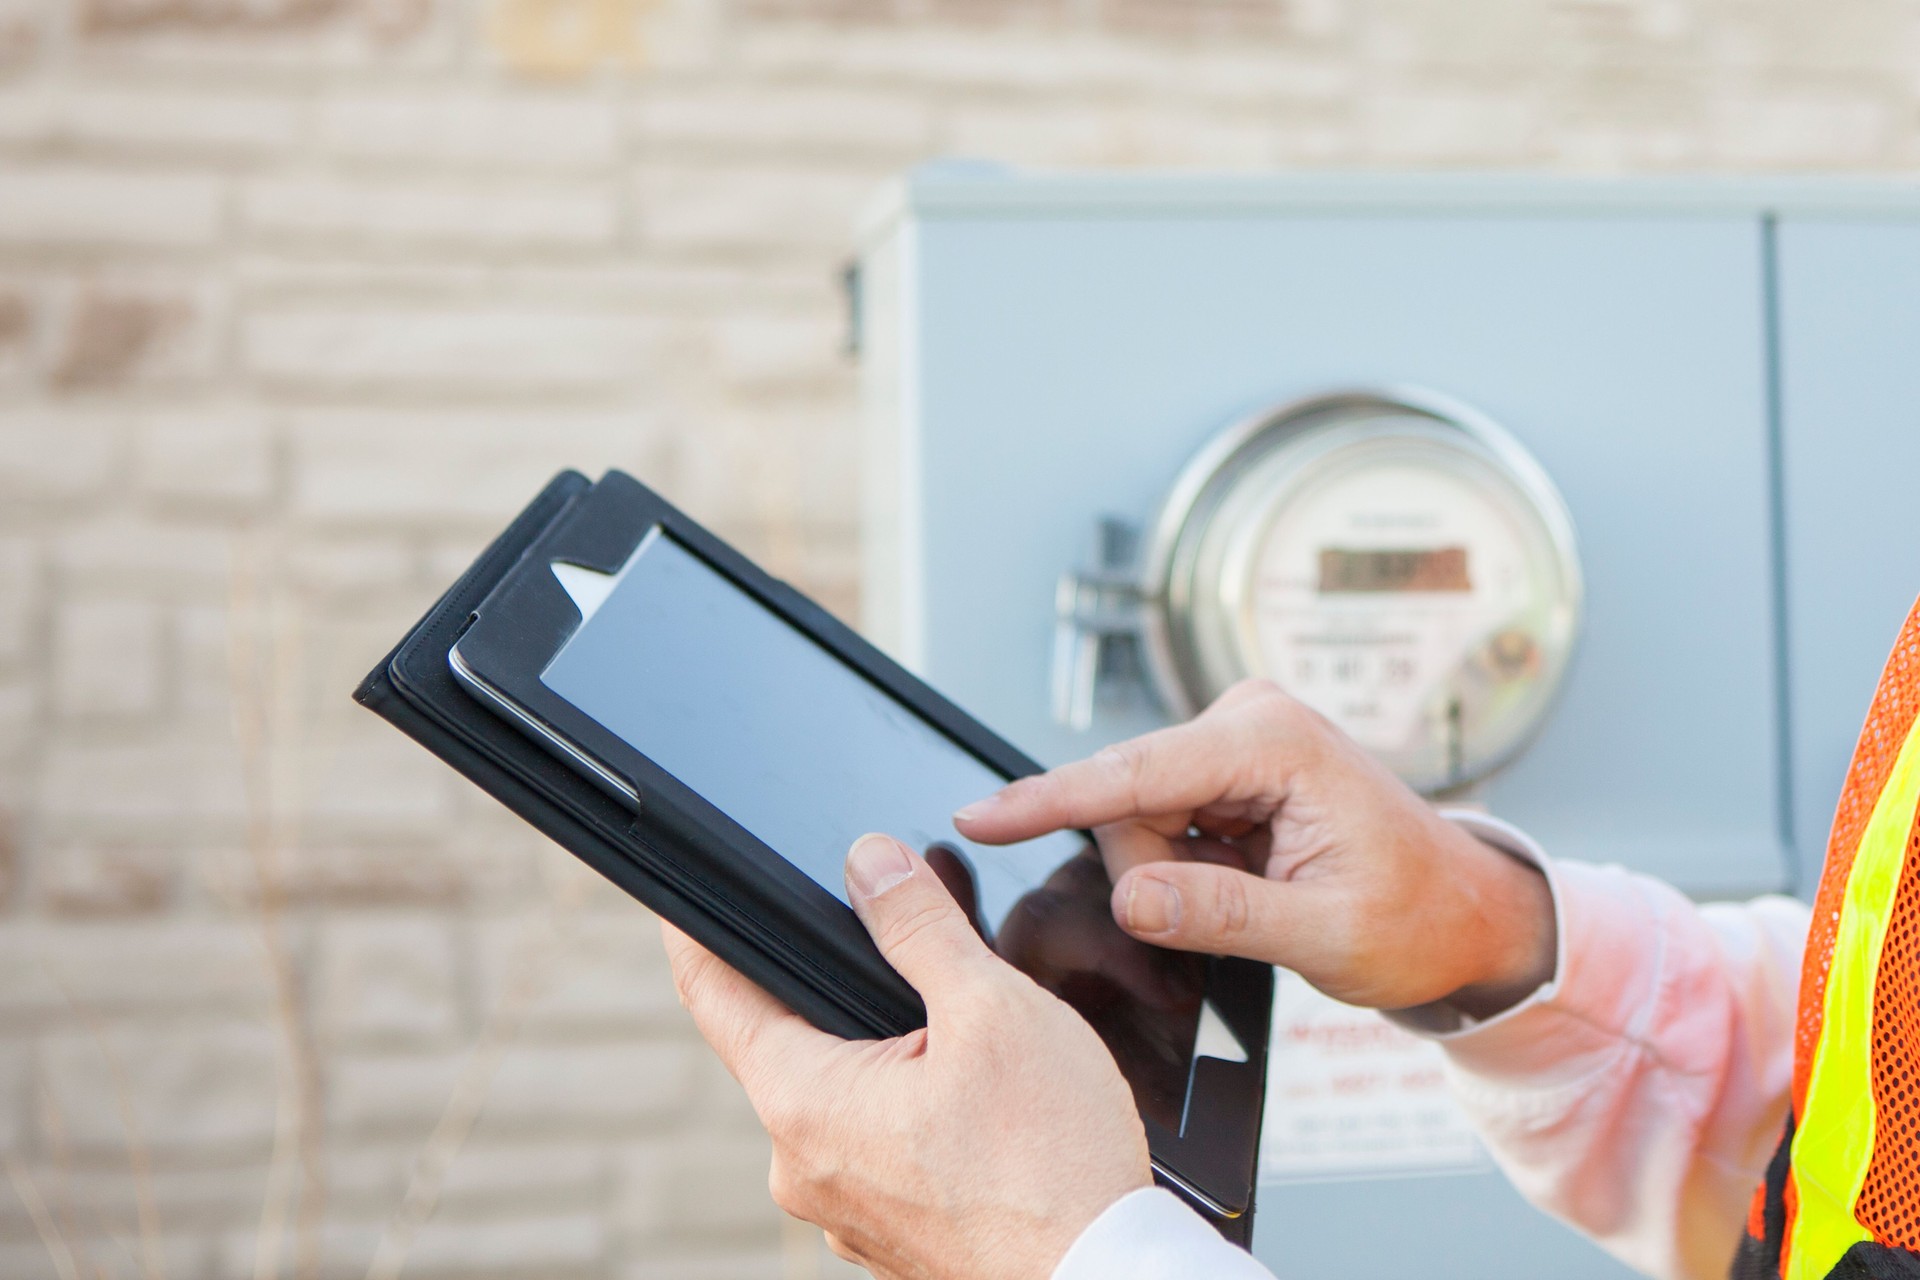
(1891, 716)
(1889, 1203)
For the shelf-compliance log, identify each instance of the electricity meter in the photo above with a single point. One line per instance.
(1394, 560)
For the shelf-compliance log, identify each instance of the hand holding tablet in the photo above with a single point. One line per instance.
(980, 1146)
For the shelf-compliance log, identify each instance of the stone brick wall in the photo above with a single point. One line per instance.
(300, 298)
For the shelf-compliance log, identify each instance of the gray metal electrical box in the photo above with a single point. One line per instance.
(1719, 377)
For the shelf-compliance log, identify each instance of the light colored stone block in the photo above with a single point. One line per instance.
(354, 565)
(269, 38)
(1802, 131)
(696, 1263)
(106, 878)
(121, 551)
(21, 312)
(186, 1198)
(387, 978)
(23, 32)
(1446, 125)
(219, 455)
(158, 777)
(102, 207)
(143, 121)
(50, 457)
(207, 1090)
(359, 870)
(110, 968)
(1161, 135)
(948, 56)
(514, 1179)
(436, 469)
(135, 330)
(591, 1088)
(14, 1064)
(373, 777)
(107, 657)
(203, 122)
(781, 346)
(488, 348)
(471, 127)
(784, 119)
(468, 217)
(770, 206)
(20, 733)
(544, 1245)
(783, 475)
(391, 1094)
(600, 973)
(703, 1186)
(20, 596)
(24, 1257)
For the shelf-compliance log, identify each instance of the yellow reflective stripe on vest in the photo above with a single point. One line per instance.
(1833, 1146)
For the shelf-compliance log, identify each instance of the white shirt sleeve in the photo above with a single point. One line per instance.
(1640, 1093)
(1151, 1235)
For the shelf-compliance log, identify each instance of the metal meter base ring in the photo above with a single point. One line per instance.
(1172, 649)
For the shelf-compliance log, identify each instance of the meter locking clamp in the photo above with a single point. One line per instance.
(1098, 615)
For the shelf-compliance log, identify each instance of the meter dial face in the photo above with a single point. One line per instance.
(1409, 576)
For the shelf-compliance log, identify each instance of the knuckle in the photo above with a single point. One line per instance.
(1256, 690)
(917, 922)
(1274, 706)
(1232, 912)
(1127, 762)
(785, 1188)
(691, 982)
(685, 970)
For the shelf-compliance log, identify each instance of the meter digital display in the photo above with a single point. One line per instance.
(1395, 561)
(1342, 569)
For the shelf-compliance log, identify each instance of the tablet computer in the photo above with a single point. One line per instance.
(714, 742)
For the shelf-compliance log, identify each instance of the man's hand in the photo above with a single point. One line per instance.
(978, 1148)
(1260, 830)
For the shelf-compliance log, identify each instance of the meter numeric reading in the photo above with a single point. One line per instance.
(1343, 569)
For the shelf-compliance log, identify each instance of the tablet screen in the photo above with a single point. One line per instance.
(807, 754)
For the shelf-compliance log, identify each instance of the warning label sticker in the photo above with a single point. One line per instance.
(1349, 1094)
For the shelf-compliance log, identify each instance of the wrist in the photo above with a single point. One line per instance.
(1512, 908)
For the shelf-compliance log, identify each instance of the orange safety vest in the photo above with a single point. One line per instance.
(1841, 1198)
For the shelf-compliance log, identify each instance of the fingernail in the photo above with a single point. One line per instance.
(876, 864)
(978, 809)
(1153, 906)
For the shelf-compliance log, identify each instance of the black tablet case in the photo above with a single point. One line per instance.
(413, 687)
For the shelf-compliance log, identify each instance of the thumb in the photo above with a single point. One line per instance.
(1219, 910)
(918, 926)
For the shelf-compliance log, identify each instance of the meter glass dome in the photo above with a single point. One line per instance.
(1397, 563)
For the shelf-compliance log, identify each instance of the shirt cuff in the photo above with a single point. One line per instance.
(1150, 1235)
